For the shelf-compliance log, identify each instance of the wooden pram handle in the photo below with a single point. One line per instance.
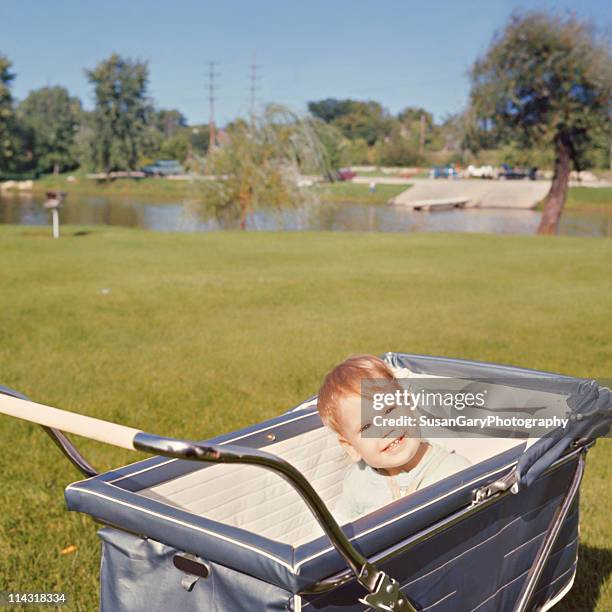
(70, 422)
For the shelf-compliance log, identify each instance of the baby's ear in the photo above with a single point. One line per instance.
(350, 449)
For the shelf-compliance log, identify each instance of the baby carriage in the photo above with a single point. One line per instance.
(243, 521)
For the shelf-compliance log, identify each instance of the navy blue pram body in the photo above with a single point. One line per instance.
(190, 536)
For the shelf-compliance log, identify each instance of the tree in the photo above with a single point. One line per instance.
(260, 163)
(199, 139)
(7, 116)
(52, 116)
(121, 114)
(354, 152)
(417, 126)
(169, 122)
(356, 119)
(398, 150)
(332, 140)
(176, 147)
(546, 80)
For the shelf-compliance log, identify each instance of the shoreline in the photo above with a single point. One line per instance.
(579, 197)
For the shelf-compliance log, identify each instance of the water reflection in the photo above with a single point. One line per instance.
(25, 209)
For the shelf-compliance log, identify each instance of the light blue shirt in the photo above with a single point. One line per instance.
(364, 489)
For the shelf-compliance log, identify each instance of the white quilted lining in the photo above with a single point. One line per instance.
(261, 502)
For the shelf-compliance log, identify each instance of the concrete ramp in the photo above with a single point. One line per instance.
(482, 193)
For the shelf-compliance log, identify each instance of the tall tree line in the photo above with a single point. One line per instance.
(49, 131)
(540, 96)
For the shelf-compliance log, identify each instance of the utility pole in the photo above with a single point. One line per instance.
(422, 136)
(253, 87)
(212, 143)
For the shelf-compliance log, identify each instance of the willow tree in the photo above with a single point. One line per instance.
(546, 81)
(260, 163)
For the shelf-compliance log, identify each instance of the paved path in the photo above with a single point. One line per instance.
(481, 193)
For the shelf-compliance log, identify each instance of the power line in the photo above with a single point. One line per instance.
(253, 88)
(212, 143)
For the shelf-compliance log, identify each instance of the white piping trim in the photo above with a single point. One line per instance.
(152, 467)
(573, 566)
(140, 471)
(393, 549)
(304, 405)
(214, 534)
(397, 518)
(518, 518)
(433, 571)
(439, 601)
(547, 606)
(510, 552)
(562, 593)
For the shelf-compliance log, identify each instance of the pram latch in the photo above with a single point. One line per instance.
(385, 594)
(508, 482)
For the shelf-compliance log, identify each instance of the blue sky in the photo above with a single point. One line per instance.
(400, 53)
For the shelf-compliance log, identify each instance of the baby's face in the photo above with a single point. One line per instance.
(395, 449)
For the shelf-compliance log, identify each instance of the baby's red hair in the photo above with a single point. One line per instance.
(345, 379)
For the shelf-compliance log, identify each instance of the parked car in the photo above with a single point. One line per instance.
(163, 167)
(443, 172)
(484, 172)
(510, 173)
(345, 174)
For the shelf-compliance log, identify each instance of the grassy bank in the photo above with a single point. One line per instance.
(589, 197)
(194, 335)
(379, 173)
(163, 189)
(359, 193)
(157, 188)
(149, 187)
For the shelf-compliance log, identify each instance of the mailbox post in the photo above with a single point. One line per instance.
(54, 200)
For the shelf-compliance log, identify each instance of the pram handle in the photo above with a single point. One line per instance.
(384, 593)
(58, 437)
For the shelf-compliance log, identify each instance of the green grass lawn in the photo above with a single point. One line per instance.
(358, 193)
(589, 197)
(196, 335)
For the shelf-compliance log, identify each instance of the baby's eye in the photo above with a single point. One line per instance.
(390, 409)
(366, 426)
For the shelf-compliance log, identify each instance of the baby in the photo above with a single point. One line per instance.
(384, 468)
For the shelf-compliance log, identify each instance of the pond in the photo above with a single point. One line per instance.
(26, 209)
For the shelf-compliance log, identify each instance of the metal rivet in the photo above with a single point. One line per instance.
(271, 437)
